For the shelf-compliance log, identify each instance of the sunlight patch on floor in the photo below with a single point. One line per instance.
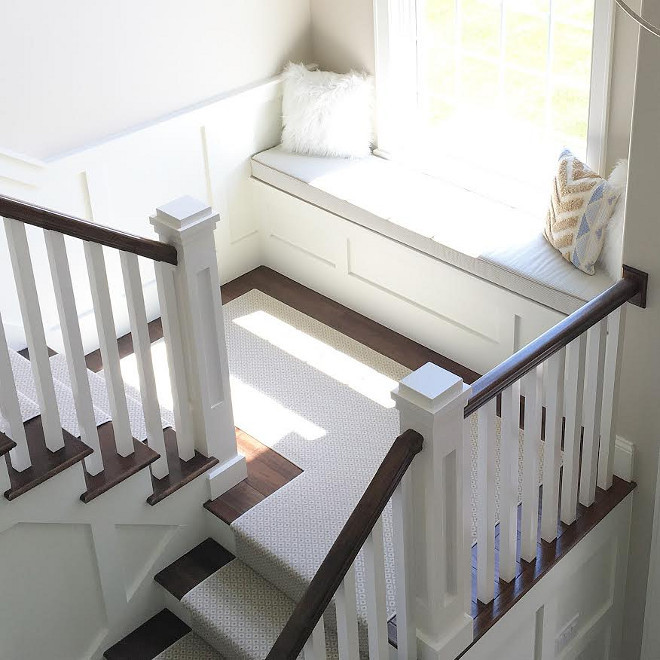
(262, 417)
(341, 367)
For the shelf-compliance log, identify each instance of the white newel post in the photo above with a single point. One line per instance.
(189, 225)
(431, 401)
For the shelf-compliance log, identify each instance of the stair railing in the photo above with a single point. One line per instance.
(189, 297)
(336, 575)
(564, 388)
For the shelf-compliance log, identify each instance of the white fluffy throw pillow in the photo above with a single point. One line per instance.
(325, 113)
(611, 258)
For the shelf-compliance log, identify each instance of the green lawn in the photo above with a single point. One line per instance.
(472, 80)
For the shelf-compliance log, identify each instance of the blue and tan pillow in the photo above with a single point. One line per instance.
(581, 204)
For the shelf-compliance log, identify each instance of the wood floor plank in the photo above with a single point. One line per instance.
(335, 315)
(267, 471)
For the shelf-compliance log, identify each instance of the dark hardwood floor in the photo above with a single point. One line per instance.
(267, 471)
(381, 339)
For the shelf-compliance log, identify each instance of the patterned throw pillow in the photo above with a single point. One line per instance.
(581, 204)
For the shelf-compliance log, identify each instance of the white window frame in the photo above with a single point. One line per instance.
(396, 31)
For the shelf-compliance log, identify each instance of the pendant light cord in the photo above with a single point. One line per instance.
(638, 19)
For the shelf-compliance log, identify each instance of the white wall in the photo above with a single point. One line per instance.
(343, 34)
(73, 72)
(640, 384)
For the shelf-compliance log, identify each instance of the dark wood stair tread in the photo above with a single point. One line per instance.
(6, 444)
(116, 468)
(180, 472)
(267, 472)
(45, 463)
(150, 639)
(193, 568)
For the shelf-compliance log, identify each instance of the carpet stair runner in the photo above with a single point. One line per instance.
(239, 605)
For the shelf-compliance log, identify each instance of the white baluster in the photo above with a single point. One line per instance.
(374, 563)
(554, 406)
(105, 324)
(347, 627)
(402, 516)
(431, 401)
(142, 346)
(575, 357)
(11, 409)
(615, 325)
(315, 645)
(533, 389)
(73, 347)
(172, 334)
(486, 464)
(593, 399)
(189, 224)
(509, 466)
(28, 298)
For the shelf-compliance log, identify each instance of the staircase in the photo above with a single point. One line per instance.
(401, 522)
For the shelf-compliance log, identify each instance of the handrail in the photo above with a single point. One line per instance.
(344, 550)
(87, 231)
(511, 370)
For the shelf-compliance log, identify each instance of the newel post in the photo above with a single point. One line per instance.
(431, 401)
(189, 225)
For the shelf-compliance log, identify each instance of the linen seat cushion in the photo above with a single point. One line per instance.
(486, 238)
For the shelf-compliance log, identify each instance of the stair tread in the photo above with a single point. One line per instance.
(151, 639)
(194, 567)
(116, 468)
(180, 472)
(190, 647)
(45, 463)
(6, 444)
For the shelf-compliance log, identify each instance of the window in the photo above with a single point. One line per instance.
(491, 90)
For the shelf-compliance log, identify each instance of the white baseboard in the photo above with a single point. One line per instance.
(624, 459)
(223, 477)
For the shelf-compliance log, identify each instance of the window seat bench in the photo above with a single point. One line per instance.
(477, 265)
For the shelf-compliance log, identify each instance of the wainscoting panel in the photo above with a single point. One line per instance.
(78, 577)
(203, 152)
(575, 611)
(462, 316)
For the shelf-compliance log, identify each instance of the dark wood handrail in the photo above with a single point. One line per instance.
(85, 230)
(539, 350)
(344, 550)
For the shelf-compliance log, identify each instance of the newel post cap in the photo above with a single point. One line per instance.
(184, 216)
(430, 388)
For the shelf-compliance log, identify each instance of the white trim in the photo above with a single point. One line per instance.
(601, 75)
(223, 477)
(652, 608)
(395, 36)
(624, 459)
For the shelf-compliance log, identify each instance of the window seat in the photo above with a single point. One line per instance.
(488, 239)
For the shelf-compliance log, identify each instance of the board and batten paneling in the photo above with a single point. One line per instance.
(204, 153)
(462, 316)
